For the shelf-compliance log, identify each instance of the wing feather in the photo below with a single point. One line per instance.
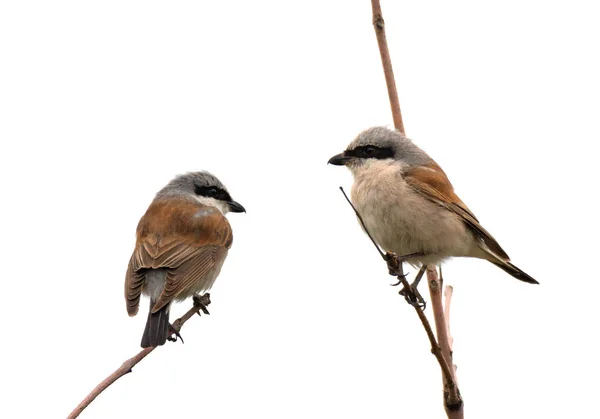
(432, 183)
(184, 237)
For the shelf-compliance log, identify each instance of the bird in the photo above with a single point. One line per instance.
(409, 206)
(181, 243)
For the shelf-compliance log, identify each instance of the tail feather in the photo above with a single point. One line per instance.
(157, 327)
(511, 269)
(506, 265)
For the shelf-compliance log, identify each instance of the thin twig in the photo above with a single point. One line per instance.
(128, 365)
(386, 61)
(448, 291)
(362, 222)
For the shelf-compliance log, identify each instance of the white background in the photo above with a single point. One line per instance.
(102, 103)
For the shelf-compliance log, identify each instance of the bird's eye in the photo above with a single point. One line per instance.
(371, 152)
(207, 191)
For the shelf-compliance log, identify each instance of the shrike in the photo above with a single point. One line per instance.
(409, 205)
(182, 242)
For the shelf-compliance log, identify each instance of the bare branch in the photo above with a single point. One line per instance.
(452, 400)
(448, 291)
(386, 61)
(362, 222)
(127, 366)
(394, 265)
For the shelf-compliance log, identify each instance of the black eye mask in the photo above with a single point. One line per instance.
(370, 152)
(212, 192)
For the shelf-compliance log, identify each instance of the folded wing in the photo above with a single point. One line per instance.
(183, 237)
(431, 182)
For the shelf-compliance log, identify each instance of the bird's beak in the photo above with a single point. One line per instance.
(339, 160)
(235, 207)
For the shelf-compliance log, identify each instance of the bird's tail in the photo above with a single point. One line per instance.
(507, 266)
(157, 327)
(516, 272)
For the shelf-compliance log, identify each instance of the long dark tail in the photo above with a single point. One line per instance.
(511, 269)
(505, 265)
(157, 327)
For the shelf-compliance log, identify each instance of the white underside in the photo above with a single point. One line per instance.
(403, 221)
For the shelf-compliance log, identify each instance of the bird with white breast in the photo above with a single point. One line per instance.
(182, 242)
(409, 206)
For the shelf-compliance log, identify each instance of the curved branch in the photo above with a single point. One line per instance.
(127, 366)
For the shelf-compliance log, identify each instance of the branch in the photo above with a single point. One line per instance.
(452, 401)
(448, 291)
(386, 61)
(395, 266)
(127, 366)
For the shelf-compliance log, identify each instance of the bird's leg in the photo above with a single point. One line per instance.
(201, 301)
(412, 294)
(419, 276)
(394, 265)
(412, 255)
(173, 331)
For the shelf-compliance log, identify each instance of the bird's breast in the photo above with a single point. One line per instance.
(402, 220)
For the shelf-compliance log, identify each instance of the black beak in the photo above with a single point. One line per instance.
(339, 160)
(235, 207)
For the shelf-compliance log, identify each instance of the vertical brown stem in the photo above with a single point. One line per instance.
(386, 61)
(448, 290)
(452, 400)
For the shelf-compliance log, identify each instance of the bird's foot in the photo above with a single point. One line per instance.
(394, 264)
(201, 301)
(174, 334)
(413, 297)
(412, 294)
(401, 278)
